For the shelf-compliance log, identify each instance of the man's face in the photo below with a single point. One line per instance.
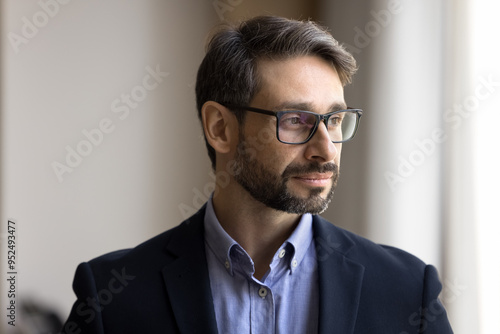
(291, 178)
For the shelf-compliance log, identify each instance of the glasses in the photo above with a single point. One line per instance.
(298, 127)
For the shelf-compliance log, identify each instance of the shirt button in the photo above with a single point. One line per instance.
(282, 253)
(294, 263)
(263, 292)
(226, 264)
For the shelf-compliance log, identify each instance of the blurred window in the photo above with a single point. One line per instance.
(485, 66)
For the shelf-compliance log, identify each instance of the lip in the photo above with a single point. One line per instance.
(315, 179)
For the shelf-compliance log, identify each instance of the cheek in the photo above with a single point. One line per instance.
(287, 156)
(257, 136)
(274, 160)
(274, 157)
(261, 141)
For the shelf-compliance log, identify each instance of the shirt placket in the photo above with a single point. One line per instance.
(262, 317)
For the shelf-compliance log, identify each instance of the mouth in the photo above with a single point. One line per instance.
(315, 179)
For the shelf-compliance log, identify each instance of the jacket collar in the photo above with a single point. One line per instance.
(186, 278)
(340, 278)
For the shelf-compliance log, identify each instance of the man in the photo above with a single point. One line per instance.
(257, 258)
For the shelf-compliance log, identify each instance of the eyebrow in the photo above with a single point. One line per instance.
(304, 106)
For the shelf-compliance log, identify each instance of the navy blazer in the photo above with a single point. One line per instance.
(162, 286)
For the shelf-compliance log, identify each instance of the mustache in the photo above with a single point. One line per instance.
(316, 167)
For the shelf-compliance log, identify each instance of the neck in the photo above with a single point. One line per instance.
(259, 229)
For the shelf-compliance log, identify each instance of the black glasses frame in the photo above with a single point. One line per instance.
(319, 118)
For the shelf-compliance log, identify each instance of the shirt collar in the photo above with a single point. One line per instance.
(217, 238)
(225, 247)
(299, 241)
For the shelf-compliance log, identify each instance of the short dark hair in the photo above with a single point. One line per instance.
(228, 73)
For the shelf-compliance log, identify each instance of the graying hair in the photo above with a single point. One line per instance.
(228, 74)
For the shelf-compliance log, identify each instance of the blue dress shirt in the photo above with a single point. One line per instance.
(285, 300)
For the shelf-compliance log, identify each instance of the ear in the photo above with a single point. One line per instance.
(220, 126)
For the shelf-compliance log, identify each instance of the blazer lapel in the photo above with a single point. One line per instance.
(187, 280)
(340, 279)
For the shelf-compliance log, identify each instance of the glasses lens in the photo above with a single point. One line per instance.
(342, 126)
(296, 126)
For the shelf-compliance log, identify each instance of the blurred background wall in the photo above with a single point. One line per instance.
(101, 147)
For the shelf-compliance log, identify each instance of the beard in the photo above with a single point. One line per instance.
(272, 190)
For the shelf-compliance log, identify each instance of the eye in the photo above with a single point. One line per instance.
(335, 120)
(291, 119)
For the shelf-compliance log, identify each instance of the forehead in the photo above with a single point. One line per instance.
(306, 80)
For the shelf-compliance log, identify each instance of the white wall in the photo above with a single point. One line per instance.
(63, 80)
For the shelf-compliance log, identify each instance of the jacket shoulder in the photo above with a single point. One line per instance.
(153, 254)
(399, 292)
(110, 287)
(374, 257)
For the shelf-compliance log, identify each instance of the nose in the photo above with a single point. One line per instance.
(320, 146)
